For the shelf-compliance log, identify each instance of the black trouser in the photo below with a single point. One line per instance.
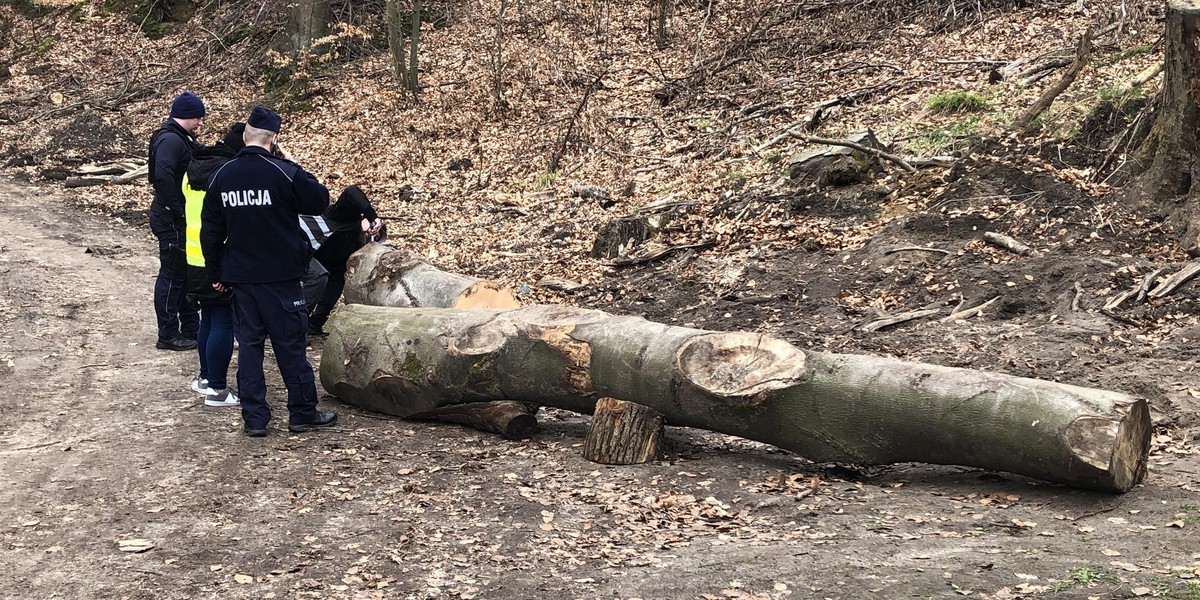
(334, 254)
(175, 314)
(273, 311)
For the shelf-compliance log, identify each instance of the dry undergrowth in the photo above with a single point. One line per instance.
(464, 171)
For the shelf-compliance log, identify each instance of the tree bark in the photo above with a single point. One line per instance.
(413, 36)
(396, 40)
(380, 275)
(513, 420)
(1166, 159)
(308, 22)
(825, 407)
(623, 433)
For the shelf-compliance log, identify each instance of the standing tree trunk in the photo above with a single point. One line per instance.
(414, 33)
(395, 28)
(1166, 160)
(662, 10)
(309, 21)
(825, 407)
(404, 56)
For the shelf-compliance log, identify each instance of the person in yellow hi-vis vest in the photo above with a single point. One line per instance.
(215, 338)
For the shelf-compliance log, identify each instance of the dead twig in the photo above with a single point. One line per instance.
(1082, 52)
(559, 152)
(1005, 242)
(1169, 284)
(1118, 300)
(1147, 283)
(958, 315)
(653, 256)
(880, 323)
(917, 249)
(798, 133)
(1114, 316)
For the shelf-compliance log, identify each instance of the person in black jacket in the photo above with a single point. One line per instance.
(343, 222)
(215, 339)
(171, 148)
(253, 245)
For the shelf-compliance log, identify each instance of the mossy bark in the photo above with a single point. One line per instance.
(826, 407)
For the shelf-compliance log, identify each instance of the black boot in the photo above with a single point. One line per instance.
(316, 321)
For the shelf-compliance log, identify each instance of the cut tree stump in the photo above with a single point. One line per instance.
(623, 433)
(618, 236)
(380, 275)
(825, 407)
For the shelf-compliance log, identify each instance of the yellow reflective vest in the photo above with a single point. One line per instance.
(193, 201)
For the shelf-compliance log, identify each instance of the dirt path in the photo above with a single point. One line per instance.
(100, 442)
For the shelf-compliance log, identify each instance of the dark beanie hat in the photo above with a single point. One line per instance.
(187, 106)
(264, 118)
(233, 139)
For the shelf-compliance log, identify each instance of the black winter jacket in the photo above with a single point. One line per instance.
(171, 149)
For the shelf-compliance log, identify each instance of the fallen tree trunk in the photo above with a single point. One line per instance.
(380, 275)
(825, 407)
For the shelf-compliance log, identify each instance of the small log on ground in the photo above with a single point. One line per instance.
(74, 182)
(513, 420)
(380, 275)
(826, 407)
(623, 433)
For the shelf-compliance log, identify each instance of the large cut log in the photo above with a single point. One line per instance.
(380, 275)
(826, 407)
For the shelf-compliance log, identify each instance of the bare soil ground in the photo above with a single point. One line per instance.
(102, 444)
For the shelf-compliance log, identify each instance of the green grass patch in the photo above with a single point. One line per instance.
(545, 180)
(958, 102)
(1190, 512)
(1120, 97)
(1124, 55)
(1084, 577)
(932, 141)
(45, 45)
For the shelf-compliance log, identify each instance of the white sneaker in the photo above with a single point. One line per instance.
(225, 397)
(200, 386)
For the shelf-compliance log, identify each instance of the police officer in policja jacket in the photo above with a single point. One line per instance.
(251, 244)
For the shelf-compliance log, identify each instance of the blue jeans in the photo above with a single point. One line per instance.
(214, 342)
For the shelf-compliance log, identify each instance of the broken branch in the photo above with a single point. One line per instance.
(1005, 242)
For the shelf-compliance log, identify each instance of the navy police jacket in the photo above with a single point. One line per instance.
(249, 231)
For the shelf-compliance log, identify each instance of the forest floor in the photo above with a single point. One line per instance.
(118, 483)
